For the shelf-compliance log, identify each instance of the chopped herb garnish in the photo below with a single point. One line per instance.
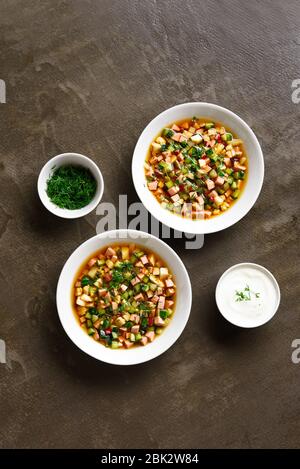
(71, 187)
(86, 281)
(168, 132)
(117, 278)
(163, 313)
(144, 323)
(245, 295)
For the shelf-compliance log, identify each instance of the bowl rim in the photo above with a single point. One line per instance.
(139, 236)
(63, 212)
(176, 221)
(268, 274)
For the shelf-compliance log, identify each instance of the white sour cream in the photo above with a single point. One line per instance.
(247, 295)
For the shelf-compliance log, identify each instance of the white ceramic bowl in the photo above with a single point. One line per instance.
(77, 160)
(258, 310)
(136, 354)
(255, 159)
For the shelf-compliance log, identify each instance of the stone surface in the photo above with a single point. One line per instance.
(88, 76)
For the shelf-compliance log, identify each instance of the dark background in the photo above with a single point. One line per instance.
(87, 76)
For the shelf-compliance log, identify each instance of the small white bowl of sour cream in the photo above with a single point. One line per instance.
(247, 295)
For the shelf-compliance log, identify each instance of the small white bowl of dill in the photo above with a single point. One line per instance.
(70, 185)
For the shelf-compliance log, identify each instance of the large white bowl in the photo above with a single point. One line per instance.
(136, 354)
(75, 159)
(217, 114)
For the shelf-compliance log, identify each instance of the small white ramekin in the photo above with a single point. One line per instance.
(75, 159)
(273, 297)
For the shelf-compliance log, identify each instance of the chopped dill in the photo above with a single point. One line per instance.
(245, 295)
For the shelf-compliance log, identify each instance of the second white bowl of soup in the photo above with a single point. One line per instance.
(124, 297)
(198, 168)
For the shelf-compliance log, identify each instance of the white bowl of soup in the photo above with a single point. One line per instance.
(124, 297)
(198, 168)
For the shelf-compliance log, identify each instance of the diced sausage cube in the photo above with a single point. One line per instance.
(102, 292)
(123, 287)
(150, 335)
(135, 329)
(219, 181)
(175, 198)
(110, 252)
(173, 190)
(139, 297)
(176, 137)
(135, 280)
(161, 302)
(158, 321)
(144, 260)
(169, 283)
(92, 262)
(144, 340)
(152, 185)
(210, 184)
(135, 318)
(127, 343)
(200, 200)
(182, 138)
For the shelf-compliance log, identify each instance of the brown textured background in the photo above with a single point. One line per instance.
(88, 76)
